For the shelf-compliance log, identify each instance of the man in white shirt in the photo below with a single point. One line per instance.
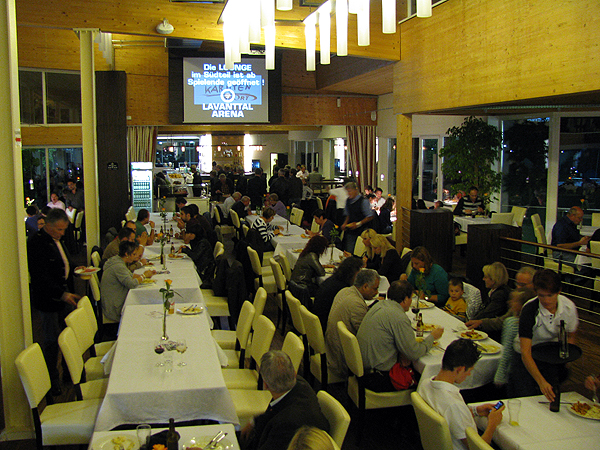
(229, 201)
(442, 394)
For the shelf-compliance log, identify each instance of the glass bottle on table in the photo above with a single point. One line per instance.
(563, 341)
(172, 436)
(420, 325)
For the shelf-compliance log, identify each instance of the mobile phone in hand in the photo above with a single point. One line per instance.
(499, 405)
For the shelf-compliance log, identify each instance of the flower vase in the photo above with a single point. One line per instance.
(164, 336)
(331, 261)
(163, 260)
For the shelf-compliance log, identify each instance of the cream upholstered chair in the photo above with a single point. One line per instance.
(319, 202)
(337, 416)
(95, 288)
(596, 219)
(235, 220)
(475, 441)
(77, 320)
(263, 278)
(249, 403)
(100, 348)
(259, 302)
(285, 266)
(224, 229)
(130, 214)
(294, 306)
(316, 343)
(518, 213)
(261, 343)
(236, 350)
(70, 423)
(536, 220)
(77, 229)
(314, 226)
(362, 397)
(216, 306)
(72, 354)
(472, 296)
(359, 247)
(71, 214)
(433, 428)
(505, 218)
(95, 257)
(549, 263)
(296, 216)
(245, 229)
(281, 284)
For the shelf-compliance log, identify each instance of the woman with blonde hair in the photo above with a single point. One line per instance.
(311, 438)
(495, 277)
(386, 260)
(366, 236)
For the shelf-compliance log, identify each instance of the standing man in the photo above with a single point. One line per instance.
(358, 215)
(566, 235)
(473, 204)
(281, 187)
(51, 285)
(196, 181)
(74, 197)
(257, 188)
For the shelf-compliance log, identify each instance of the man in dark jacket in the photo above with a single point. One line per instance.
(51, 285)
(257, 188)
(281, 187)
(294, 405)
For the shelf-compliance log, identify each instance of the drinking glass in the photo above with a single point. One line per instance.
(514, 407)
(181, 348)
(143, 434)
(415, 305)
(159, 349)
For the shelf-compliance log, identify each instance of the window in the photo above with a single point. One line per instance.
(49, 97)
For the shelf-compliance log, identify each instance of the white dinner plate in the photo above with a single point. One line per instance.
(489, 349)
(107, 442)
(200, 442)
(427, 327)
(190, 311)
(177, 256)
(474, 335)
(147, 282)
(424, 304)
(595, 411)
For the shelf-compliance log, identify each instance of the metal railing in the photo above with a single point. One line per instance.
(581, 283)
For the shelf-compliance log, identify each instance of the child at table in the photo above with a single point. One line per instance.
(456, 304)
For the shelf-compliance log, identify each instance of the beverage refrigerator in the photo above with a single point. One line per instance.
(141, 185)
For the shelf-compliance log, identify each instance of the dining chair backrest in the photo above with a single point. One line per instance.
(475, 441)
(433, 428)
(78, 321)
(359, 247)
(79, 219)
(472, 296)
(536, 220)
(217, 212)
(540, 235)
(95, 257)
(294, 348)
(130, 214)
(314, 330)
(71, 214)
(595, 249)
(296, 216)
(260, 300)
(261, 340)
(280, 280)
(244, 324)
(518, 213)
(505, 218)
(294, 306)
(218, 250)
(285, 266)
(85, 304)
(596, 219)
(336, 415)
(319, 202)
(314, 226)
(351, 350)
(235, 219)
(72, 353)
(34, 375)
(255, 261)
(95, 287)
(245, 229)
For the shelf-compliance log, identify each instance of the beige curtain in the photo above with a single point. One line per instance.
(361, 151)
(141, 143)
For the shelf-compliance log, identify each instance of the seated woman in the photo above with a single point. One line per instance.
(308, 267)
(267, 230)
(367, 255)
(385, 214)
(538, 323)
(495, 277)
(117, 279)
(386, 260)
(426, 277)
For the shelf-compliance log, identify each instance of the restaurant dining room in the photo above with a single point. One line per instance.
(300, 224)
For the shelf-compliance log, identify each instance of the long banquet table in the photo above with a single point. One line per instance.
(541, 429)
(465, 221)
(139, 391)
(430, 364)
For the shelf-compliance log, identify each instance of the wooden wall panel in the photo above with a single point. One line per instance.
(294, 75)
(145, 59)
(472, 52)
(313, 110)
(54, 135)
(52, 49)
(147, 100)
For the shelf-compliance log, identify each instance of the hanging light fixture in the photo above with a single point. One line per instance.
(270, 47)
(267, 12)
(254, 21)
(353, 6)
(325, 32)
(341, 27)
(388, 16)
(310, 36)
(423, 8)
(285, 5)
(362, 22)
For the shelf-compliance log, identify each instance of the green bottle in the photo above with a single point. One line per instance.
(172, 436)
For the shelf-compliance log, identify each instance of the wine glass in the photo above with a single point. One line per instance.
(159, 349)
(415, 306)
(181, 347)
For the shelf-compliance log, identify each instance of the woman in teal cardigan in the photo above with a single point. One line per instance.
(435, 278)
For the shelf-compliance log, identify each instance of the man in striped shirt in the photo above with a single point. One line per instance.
(266, 229)
(473, 204)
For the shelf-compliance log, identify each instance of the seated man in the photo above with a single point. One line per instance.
(141, 233)
(266, 229)
(294, 405)
(442, 394)
(566, 235)
(112, 249)
(229, 202)
(348, 306)
(473, 204)
(242, 207)
(386, 338)
(325, 225)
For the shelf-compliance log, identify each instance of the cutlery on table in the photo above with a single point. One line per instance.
(218, 437)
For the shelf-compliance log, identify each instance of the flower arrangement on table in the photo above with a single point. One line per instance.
(167, 295)
(163, 238)
(333, 234)
(162, 210)
(421, 285)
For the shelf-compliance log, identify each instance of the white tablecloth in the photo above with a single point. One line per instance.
(186, 434)
(139, 392)
(430, 364)
(541, 429)
(465, 221)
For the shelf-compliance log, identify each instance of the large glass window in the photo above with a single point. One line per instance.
(32, 97)
(426, 168)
